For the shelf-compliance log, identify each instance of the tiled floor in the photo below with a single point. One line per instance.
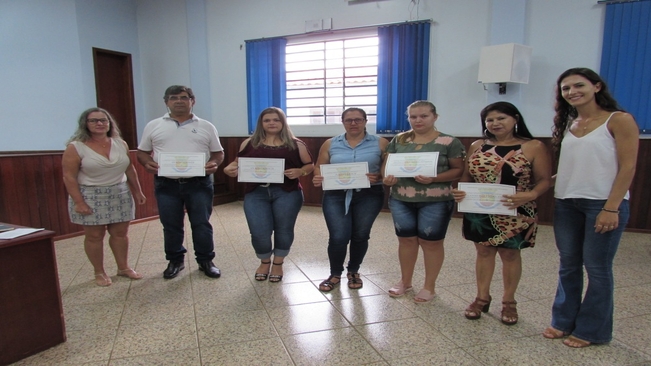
(234, 320)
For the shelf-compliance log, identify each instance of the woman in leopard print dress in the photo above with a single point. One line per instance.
(507, 154)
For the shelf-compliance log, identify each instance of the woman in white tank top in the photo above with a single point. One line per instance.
(598, 145)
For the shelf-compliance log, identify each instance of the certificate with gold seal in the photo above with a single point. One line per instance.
(260, 170)
(486, 198)
(177, 165)
(404, 165)
(345, 176)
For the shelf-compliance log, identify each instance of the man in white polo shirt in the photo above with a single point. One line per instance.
(182, 132)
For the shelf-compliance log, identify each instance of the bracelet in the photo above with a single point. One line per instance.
(303, 173)
(611, 211)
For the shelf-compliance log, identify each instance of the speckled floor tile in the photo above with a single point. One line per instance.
(372, 309)
(307, 318)
(219, 328)
(614, 353)
(534, 350)
(259, 352)
(403, 338)
(279, 294)
(465, 333)
(89, 316)
(635, 332)
(92, 345)
(235, 320)
(186, 357)
(456, 357)
(343, 346)
(147, 338)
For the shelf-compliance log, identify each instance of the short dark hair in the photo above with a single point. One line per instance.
(178, 89)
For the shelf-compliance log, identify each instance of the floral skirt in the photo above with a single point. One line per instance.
(515, 232)
(110, 204)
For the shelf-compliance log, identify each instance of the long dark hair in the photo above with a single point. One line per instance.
(520, 130)
(565, 113)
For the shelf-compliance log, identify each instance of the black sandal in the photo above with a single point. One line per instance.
(327, 285)
(276, 278)
(354, 281)
(262, 276)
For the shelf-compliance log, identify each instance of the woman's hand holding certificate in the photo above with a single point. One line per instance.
(486, 198)
(345, 176)
(411, 164)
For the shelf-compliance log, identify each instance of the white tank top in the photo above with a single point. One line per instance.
(97, 170)
(588, 165)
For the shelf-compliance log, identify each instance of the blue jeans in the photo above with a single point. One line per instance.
(426, 220)
(579, 246)
(272, 210)
(354, 227)
(195, 195)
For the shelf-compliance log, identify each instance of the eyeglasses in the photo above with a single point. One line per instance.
(183, 98)
(97, 120)
(351, 120)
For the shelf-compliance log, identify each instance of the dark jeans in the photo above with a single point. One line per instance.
(271, 210)
(354, 227)
(590, 318)
(195, 195)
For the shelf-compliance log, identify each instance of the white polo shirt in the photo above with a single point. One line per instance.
(165, 135)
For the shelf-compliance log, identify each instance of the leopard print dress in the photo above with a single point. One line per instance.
(504, 165)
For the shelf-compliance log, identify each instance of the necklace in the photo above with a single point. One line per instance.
(102, 144)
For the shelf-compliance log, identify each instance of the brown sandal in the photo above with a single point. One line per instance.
(354, 281)
(474, 310)
(553, 333)
(509, 312)
(327, 285)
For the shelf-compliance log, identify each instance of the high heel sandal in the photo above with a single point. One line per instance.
(276, 278)
(102, 279)
(474, 310)
(129, 273)
(327, 285)
(509, 312)
(399, 289)
(262, 276)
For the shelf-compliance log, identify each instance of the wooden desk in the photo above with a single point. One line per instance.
(31, 313)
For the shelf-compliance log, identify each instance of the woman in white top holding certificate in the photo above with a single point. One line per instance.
(350, 212)
(421, 203)
(271, 209)
(506, 155)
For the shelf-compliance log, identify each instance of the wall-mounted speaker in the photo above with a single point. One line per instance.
(505, 63)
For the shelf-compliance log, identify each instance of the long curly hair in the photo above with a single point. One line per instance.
(509, 109)
(285, 135)
(565, 113)
(83, 133)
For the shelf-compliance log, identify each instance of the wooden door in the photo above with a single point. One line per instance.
(114, 88)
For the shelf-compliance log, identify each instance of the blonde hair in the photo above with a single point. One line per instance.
(286, 135)
(83, 133)
(409, 135)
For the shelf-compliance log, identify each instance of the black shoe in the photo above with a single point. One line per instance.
(209, 269)
(173, 269)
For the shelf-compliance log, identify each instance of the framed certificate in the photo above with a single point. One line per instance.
(260, 170)
(181, 165)
(486, 198)
(411, 164)
(345, 176)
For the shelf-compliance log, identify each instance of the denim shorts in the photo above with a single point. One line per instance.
(426, 220)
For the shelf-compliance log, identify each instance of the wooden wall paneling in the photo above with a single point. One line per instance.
(640, 192)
